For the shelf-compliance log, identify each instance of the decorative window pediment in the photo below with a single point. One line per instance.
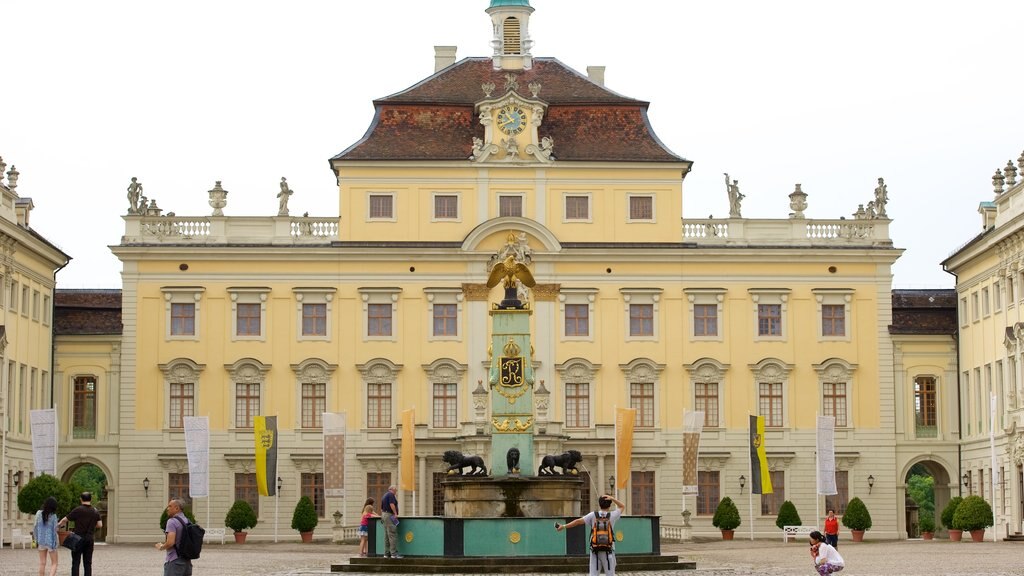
(706, 371)
(181, 370)
(577, 371)
(445, 371)
(379, 371)
(835, 370)
(642, 370)
(771, 370)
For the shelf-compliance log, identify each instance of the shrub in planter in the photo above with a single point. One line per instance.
(240, 516)
(304, 518)
(727, 516)
(974, 513)
(163, 518)
(927, 524)
(788, 515)
(32, 496)
(857, 516)
(949, 511)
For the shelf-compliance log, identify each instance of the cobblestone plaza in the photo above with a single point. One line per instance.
(736, 558)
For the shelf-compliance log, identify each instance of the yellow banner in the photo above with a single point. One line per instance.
(624, 418)
(264, 430)
(760, 477)
(407, 466)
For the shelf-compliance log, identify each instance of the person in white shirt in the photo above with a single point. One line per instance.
(600, 560)
(826, 558)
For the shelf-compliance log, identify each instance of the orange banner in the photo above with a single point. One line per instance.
(407, 466)
(624, 418)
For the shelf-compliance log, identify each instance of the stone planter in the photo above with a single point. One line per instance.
(955, 535)
(727, 534)
(857, 535)
(978, 535)
(240, 537)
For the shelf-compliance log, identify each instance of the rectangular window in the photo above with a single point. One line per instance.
(985, 307)
(705, 320)
(577, 404)
(314, 403)
(24, 300)
(313, 488)
(183, 319)
(577, 320)
(975, 308)
(177, 488)
(641, 319)
(997, 296)
(247, 404)
(577, 208)
(770, 403)
(641, 398)
(769, 320)
(834, 396)
(377, 484)
(47, 311)
(182, 404)
(246, 489)
(770, 503)
(707, 492)
(247, 319)
(585, 492)
(314, 319)
(378, 405)
(510, 206)
(378, 319)
(14, 297)
(35, 305)
(446, 320)
(641, 208)
(1011, 291)
(446, 207)
(437, 502)
(382, 206)
(642, 493)
(838, 501)
(706, 400)
(84, 407)
(445, 403)
(833, 320)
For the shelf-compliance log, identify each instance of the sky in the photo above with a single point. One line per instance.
(831, 95)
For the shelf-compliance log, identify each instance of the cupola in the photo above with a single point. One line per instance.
(511, 41)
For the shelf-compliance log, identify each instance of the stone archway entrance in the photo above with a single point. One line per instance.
(88, 477)
(928, 491)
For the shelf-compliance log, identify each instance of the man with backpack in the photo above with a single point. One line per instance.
(175, 563)
(602, 534)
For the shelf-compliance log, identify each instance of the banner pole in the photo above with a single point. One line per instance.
(277, 505)
(750, 495)
(817, 475)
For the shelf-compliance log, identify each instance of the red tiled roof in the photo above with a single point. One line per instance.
(435, 119)
(81, 312)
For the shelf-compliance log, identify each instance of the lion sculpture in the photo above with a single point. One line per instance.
(512, 460)
(457, 461)
(567, 461)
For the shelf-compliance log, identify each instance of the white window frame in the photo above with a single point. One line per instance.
(577, 296)
(445, 371)
(650, 296)
(443, 296)
(394, 207)
(13, 292)
(384, 295)
(181, 371)
(709, 371)
(644, 370)
(705, 296)
(47, 309)
(315, 295)
(182, 295)
(458, 207)
(579, 371)
(25, 302)
(312, 371)
(565, 207)
(522, 203)
(962, 310)
(771, 370)
(770, 296)
(654, 208)
(837, 371)
(378, 371)
(248, 295)
(975, 307)
(246, 371)
(35, 304)
(834, 297)
(986, 305)
(997, 296)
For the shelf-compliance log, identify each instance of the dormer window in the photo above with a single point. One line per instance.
(512, 40)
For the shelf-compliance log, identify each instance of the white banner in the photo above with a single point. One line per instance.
(197, 447)
(44, 440)
(334, 454)
(693, 423)
(827, 455)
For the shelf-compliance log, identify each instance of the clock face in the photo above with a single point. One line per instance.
(511, 120)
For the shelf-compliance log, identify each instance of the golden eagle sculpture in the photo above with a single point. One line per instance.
(509, 270)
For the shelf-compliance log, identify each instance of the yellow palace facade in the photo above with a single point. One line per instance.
(384, 307)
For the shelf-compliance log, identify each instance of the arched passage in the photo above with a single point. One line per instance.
(93, 477)
(928, 488)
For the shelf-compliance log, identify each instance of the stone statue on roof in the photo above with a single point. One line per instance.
(134, 196)
(881, 198)
(735, 197)
(282, 197)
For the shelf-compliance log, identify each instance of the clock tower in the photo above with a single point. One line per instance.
(511, 41)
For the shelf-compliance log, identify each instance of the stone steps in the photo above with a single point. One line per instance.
(507, 565)
(1015, 537)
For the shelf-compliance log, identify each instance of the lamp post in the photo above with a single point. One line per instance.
(145, 485)
(743, 482)
(966, 479)
(277, 505)
(611, 485)
(871, 483)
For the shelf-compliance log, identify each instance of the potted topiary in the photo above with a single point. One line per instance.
(726, 518)
(947, 518)
(304, 518)
(927, 524)
(857, 519)
(33, 494)
(240, 518)
(973, 515)
(788, 516)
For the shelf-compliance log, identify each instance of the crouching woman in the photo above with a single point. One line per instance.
(826, 558)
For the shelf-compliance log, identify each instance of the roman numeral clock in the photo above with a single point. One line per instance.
(512, 126)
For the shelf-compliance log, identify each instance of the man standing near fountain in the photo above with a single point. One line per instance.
(389, 517)
(600, 559)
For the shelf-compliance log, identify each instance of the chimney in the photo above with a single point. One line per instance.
(444, 56)
(22, 208)
(596, 74)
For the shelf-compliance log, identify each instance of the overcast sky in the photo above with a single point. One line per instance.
(831, 95)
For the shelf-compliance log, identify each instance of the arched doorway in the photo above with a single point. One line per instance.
(928, 491)
(88, 477)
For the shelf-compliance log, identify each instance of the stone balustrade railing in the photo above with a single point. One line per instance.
(229, 230)
(788, 232)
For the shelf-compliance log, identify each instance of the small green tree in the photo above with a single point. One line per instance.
(727, 516)
(163, 517)
(973, 513)
(857, 516)
(949, 511)
(32, 496)
(240, 516)
(788, 515)
(927, 523)
(304, 518)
